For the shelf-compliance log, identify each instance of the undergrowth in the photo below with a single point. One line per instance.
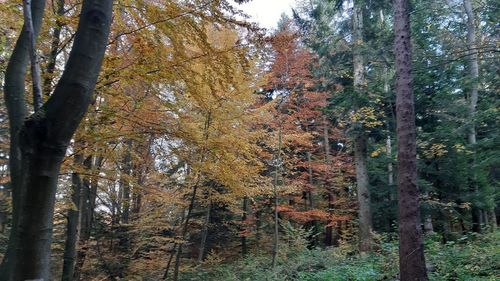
(472, 257)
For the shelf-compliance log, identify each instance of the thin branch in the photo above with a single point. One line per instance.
(35, 66)
(193, 11)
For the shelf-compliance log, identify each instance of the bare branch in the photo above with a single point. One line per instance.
(35, 66)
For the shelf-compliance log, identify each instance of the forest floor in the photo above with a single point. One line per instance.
(471, 257)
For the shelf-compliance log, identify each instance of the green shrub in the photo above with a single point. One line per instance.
(471, 258)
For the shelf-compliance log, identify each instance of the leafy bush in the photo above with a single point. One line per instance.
(472, 257)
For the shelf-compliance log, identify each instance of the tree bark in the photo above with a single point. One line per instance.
(69, 257)
(390, 179)
(360, 140)
(411, 249)
(365, 215)
(473, 98)
(14, 94)
(473, 69)
(390, 171)
(45, 136)
(34, 62)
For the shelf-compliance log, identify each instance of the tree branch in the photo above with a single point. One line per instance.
(35, 66)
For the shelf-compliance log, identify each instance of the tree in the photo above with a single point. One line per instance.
(351, 99)
(411, 249)
(39, 142)
(360, 138)
(479, 215)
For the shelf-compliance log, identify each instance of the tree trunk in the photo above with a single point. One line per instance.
(473, 69)
(275, 193)
(493, 219)
(411, 249)
(87, 207)
(54, 50)
(365, 216)
(178, 252)
(390, 171)
(137, 195)
(258, 227)
(428, 227)
(329, 229)
(125, 185)
(45, 136)
(34, 62)
(328, 160)
(14, 94)
(310, 202)
(476, 219)
(72, 227)
(4, 213)
(358, 60)
(390, 181)
(74, 217)
(360, 140)
(204, 233)
(244, 249)
(184, 233)
(141, 178)
(473, 98)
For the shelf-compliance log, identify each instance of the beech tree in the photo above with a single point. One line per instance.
(39, 141)
(411, 247)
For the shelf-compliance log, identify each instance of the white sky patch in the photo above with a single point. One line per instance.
(267, 12)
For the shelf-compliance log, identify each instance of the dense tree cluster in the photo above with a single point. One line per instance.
(143, 139)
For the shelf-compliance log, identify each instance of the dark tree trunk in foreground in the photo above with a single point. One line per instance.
(411, 248)
(14, 93)
(44, 137)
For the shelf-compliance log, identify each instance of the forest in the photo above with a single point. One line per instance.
(180, 140)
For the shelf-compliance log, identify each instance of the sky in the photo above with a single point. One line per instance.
(267, 12)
